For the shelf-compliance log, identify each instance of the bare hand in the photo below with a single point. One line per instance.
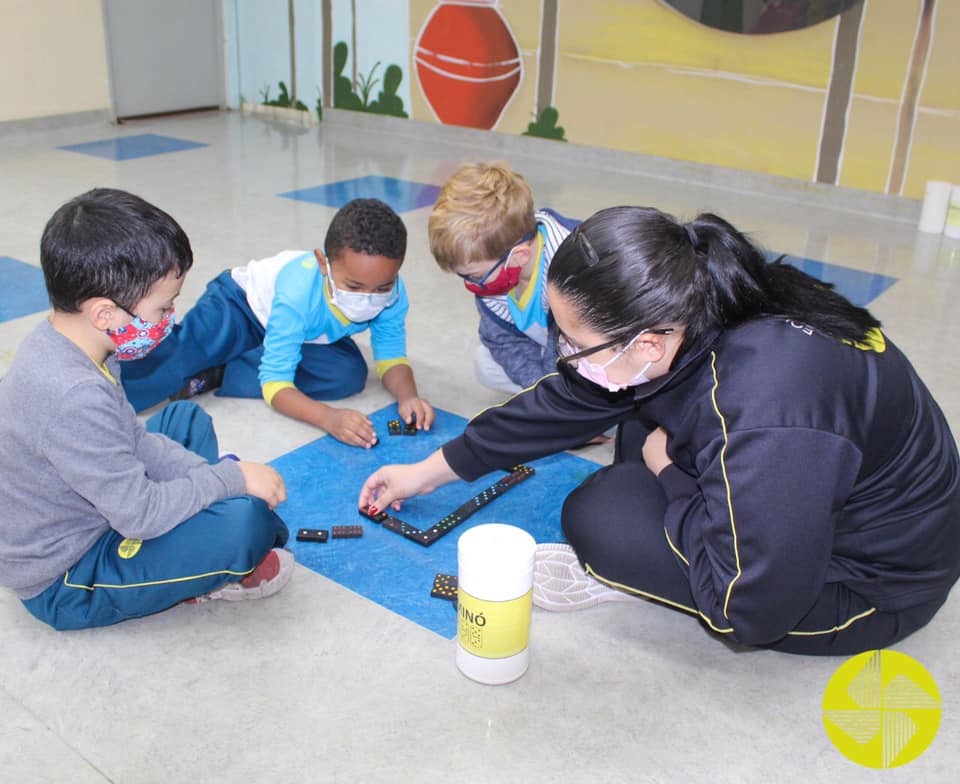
(391, 484)
(655, 451)
(416, 408)
(264, 482)
(350, 427)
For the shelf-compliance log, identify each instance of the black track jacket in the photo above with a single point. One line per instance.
(798, 460)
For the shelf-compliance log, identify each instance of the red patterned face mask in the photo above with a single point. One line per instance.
(140, 337)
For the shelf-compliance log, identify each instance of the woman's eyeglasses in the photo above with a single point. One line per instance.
(569, 355)
(503, 260)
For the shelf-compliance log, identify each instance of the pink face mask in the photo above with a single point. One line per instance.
(598, 373)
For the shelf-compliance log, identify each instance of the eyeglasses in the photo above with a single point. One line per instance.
(569, 356)
(503, 260)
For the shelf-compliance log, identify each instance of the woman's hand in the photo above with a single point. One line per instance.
(390, 485)
(655, 451)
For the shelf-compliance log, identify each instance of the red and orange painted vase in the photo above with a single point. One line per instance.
(468, 63)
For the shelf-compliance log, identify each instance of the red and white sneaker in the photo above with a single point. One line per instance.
(270, 575)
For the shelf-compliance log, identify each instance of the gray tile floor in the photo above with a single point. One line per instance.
(320, 685)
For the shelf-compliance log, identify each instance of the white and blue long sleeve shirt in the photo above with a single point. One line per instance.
(289, 296)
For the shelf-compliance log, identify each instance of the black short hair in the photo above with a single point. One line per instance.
(109, 243)
(366, 226)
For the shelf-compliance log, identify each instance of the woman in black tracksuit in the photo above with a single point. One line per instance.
(781, 471)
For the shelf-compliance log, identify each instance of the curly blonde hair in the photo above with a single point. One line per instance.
(481, 212)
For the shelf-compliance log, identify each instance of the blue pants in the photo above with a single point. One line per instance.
(222, 330)
(220, 544)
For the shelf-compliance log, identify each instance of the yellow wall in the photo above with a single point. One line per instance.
(52, 58)
(637, 75)
(647, 79)
(935, 152)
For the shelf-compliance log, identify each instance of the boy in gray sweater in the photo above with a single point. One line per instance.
(103, 518)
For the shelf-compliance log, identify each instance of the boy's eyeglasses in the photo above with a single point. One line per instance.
(567, 353)
(503, 260)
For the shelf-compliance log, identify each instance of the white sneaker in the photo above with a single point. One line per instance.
(561, 585)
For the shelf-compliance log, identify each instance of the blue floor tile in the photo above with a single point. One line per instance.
(860, 287)
(324, 479)
(125, 147)
(22, 290)
(402, 195)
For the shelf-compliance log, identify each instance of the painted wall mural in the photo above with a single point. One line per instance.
(468, 64)
(858, 93)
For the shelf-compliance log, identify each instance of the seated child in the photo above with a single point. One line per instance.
(279, 328)
(104, 519)
(483, 227)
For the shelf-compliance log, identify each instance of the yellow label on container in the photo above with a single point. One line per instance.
(494, 630)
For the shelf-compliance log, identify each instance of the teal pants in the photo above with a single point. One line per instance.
(121, 578)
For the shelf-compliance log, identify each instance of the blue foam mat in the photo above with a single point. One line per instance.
(401, 195)
(323, 482)
(124, 148)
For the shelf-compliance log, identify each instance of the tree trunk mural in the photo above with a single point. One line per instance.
(327, 52)
(839, 93)
(293, 52)
(547, 63)
(911, 97)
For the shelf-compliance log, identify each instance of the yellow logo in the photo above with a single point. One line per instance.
(129, 548)
(881, 709)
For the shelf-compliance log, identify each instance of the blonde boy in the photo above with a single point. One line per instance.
(483, 227)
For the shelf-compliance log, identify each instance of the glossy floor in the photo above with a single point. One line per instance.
(320, 684)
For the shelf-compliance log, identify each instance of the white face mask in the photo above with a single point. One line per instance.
(360, 306)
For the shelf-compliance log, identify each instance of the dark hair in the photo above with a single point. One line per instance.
(109, 243)
(630, 268)
(366, 226)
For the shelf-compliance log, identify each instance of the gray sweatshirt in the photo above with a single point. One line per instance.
(75, 462)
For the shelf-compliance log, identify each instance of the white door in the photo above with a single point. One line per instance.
(164, 55)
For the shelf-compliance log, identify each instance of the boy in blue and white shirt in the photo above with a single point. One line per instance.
(281, 328)
(483, 227)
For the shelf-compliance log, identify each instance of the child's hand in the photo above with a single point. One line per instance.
(416, 408)
(264, 482)
(349, 426)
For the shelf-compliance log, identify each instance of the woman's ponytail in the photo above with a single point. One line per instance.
(746, 286)
(632, 268)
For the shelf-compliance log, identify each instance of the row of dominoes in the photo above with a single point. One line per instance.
(449, 522)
